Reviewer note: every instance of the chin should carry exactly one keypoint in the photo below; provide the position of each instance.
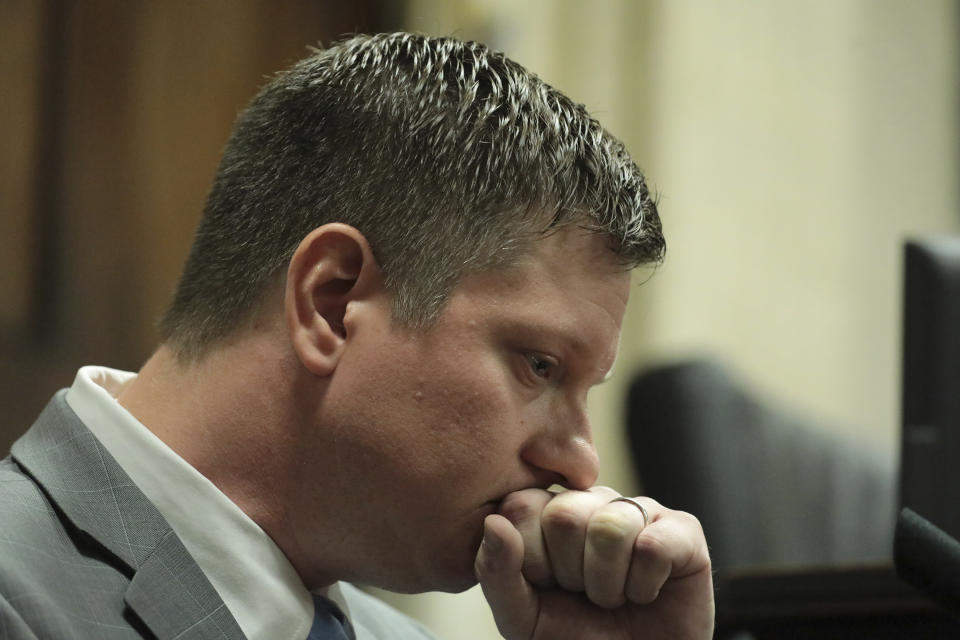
(458, 573)
(458, 586)
(448, 579)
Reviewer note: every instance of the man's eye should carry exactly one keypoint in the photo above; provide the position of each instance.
(541, 367)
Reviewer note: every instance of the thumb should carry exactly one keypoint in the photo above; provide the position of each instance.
(513, 601)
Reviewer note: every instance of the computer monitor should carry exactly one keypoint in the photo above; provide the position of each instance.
(930, 410)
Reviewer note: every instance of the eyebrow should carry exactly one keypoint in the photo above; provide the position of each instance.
(570, 340)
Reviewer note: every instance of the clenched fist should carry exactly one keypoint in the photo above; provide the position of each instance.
(578, 565)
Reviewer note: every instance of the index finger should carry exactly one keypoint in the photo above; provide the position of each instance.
(523, 509)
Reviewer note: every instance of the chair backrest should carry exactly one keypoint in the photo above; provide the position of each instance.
(768, 486)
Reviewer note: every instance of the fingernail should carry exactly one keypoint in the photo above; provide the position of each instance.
(491, 543)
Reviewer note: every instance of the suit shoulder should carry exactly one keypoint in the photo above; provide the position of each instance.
(19, 494)
(30, 524)
(43, 561)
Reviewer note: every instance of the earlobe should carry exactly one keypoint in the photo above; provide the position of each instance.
(332, 266)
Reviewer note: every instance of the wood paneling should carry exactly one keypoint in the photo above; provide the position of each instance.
(113, 118)
(21, 78)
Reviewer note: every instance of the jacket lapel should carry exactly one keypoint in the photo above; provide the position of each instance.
(173, 597)
(168, 591)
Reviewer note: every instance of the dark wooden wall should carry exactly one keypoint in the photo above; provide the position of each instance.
(112, 118)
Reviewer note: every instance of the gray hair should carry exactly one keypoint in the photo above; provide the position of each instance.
(450, 158)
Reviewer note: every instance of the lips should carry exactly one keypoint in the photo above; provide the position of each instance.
(548, 487)
(491, 506)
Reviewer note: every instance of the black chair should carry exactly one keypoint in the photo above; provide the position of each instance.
(769, 487)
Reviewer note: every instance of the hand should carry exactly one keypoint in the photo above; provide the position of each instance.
(574, 565)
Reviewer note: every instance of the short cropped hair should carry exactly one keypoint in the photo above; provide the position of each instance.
(447, 156)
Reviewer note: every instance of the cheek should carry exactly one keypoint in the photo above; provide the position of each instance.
(482, 393)
(467, 421)
(434, 411)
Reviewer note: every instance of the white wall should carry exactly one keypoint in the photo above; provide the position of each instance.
(794, 145)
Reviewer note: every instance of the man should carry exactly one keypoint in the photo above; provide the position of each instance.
(411, 268)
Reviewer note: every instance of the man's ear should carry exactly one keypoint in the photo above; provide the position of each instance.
(332, 266)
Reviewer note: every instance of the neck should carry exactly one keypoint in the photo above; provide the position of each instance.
(230, 416)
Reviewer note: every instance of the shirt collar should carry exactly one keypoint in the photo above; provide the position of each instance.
(253, 577)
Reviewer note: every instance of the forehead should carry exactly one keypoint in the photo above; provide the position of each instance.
(571, 265)
(569, 285)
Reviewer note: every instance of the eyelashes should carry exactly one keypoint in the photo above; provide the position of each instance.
(541, 366)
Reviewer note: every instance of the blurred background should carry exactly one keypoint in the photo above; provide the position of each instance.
(793, 145)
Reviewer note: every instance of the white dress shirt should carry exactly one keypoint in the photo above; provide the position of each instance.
(255, 580)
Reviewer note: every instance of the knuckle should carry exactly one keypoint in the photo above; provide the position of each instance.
(698, 552)
(562, 519)
(604, 491)
(608, 532)
(654, 505)
(691, 520)
(518, 508)
(647, 549)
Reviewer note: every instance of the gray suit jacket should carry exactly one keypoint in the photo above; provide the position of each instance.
(84, 554)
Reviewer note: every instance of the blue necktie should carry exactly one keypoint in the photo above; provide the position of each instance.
(329, 623)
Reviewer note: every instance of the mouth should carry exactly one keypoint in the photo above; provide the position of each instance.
(491, 506)
(496, 503)
(487, 508)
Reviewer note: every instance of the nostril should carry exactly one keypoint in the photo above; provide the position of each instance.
(544, 478)
(556, 480)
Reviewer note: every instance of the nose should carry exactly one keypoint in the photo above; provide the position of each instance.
(565, 456)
